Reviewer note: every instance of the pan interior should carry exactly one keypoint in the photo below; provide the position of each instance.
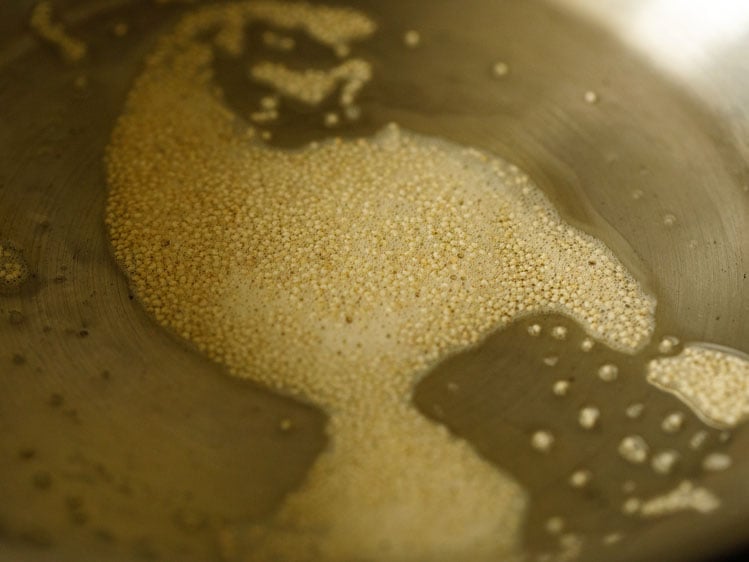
(119, 441)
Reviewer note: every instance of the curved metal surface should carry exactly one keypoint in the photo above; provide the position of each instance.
(118, 442)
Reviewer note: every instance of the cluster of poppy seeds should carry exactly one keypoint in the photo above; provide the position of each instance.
(312, 86)
(13, 268)
(711, 381)
(341, 273)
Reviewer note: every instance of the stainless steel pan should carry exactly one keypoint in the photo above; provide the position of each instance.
(118, 442)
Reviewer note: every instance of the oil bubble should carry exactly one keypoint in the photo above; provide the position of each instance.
(580, 478)
(559, 332)
(591, 97)
(561, 387)
(500, 69)
(698, 439)
(634, 410)
(673, 422)
(542, 441)
(634, 449)
(608, 372)
(664, 462)
(668, 344)
(716, 462)
(588, 417)
(411, 39)
(551, 360)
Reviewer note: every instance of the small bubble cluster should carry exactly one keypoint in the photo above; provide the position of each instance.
(42, 23)
(14, 270)
(312, 86)
(686, 496)
(713, 382)
(268, 110)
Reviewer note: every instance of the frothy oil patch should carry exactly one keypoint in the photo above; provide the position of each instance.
(341, 273)
(42, 23)
(14, 271)
(685, 497)
(313, 86)
(712, 381)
